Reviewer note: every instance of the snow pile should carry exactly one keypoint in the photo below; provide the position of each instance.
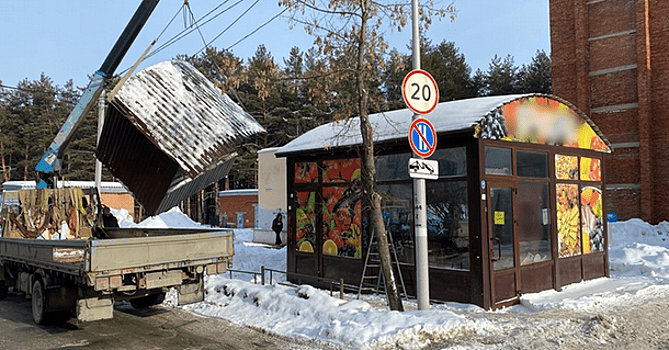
(171, 218)
(639, 263)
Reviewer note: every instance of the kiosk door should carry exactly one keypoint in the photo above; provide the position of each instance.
(501, 245)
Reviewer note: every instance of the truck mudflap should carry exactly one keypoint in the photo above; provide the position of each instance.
(95, 308)
(191, 292)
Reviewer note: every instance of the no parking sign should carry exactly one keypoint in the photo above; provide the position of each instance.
(422, 137)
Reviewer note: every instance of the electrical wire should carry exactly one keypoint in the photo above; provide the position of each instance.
(29, 90)
(257, 29)
(230, 25)
(186, 31)
(218, 68)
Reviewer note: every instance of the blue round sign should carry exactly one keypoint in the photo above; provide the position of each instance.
(422, 137)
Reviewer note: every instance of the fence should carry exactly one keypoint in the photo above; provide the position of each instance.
(264, 271)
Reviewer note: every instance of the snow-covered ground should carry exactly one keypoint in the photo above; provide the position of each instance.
(639, 263)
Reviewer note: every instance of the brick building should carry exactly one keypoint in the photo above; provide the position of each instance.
(238, 207)
(611, 59)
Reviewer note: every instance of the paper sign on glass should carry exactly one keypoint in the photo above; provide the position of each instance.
(499, 218)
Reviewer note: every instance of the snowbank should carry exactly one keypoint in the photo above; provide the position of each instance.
(639, 264)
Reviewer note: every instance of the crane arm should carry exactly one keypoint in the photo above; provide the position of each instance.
(50, 163)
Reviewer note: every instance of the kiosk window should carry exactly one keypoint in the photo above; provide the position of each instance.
(396, 203)
(392, 167)
(498, 161)
(448, 225)
(532, 163)
(534, 223)
(452, 161)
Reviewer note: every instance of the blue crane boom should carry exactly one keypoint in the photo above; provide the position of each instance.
(50, 164)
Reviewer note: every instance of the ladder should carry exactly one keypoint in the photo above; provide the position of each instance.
(373, 260)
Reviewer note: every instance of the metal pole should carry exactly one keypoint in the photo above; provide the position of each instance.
(420, 202)
(101, 121)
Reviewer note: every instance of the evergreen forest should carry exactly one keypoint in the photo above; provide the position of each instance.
(287, 97)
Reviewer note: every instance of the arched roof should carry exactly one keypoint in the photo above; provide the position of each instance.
(448, 117)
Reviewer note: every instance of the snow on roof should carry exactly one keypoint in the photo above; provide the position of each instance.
(447, 117)
(243, 192)
(185, 115)
(105, 186)
(451, 116)
(268, 150)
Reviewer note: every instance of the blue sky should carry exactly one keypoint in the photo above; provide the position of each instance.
(69, 39)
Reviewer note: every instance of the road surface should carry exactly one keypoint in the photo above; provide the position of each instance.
(154, 328)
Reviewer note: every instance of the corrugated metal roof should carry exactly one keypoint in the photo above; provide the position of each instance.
(184, 114)
(170, 133)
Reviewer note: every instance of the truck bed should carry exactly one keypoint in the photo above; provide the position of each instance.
(136, 250)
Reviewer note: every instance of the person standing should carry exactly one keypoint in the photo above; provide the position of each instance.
(277, 227)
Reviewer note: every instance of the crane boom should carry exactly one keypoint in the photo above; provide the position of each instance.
(50, 163)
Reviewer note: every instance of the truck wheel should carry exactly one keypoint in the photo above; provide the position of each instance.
(149, 300)
(39, 303)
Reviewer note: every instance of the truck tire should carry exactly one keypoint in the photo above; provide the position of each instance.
(147, 301)
(39, 303)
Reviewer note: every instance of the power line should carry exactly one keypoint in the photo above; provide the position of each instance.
(30, 90)
(229, 26)
(186, 31)
(257, 29)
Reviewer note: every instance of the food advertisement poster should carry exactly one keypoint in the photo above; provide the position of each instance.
(305, 236)
(566, 167)
(342, 217)
(592, 224)
(568, 224)
(306, 172)
(591, 169)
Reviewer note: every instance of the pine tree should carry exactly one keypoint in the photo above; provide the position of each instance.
(536, 76)
(449, 69)
(500, 78)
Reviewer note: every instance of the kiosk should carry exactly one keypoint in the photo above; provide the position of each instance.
(517, 207)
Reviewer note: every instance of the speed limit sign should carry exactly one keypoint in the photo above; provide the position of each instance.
(420, 91)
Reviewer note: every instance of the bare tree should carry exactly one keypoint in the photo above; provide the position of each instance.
(350, 33)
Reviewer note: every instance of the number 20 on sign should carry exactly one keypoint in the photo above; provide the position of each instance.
(420, 92)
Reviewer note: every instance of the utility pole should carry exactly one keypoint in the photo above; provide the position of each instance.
(420, 202)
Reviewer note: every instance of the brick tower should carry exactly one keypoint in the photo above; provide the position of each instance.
(611, 59)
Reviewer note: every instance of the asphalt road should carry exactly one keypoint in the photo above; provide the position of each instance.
(153, 328)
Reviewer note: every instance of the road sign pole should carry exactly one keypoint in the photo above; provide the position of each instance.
(420, 202)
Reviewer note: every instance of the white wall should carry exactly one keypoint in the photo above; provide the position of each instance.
(272, 195)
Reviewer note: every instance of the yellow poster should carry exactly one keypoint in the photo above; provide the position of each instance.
(499, 218)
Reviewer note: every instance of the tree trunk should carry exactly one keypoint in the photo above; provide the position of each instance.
(5, 174)
(371, 199)
(25, 167)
